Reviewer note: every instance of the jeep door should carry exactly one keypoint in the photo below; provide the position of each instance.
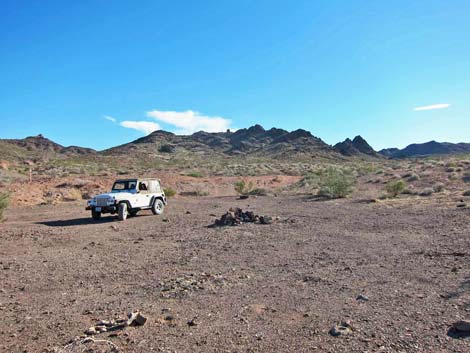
(143, 196)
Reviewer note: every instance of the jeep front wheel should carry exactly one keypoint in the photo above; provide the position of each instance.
(95, 215)
(122, 212)
(157, 207)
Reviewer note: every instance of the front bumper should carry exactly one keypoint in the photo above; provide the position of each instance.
(102, 209)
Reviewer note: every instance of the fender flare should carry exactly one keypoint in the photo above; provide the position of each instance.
(129, 206)
(157, 198)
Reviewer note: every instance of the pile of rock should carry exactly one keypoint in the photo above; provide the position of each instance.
(236, 216)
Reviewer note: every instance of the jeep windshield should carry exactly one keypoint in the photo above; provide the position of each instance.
(124, 185)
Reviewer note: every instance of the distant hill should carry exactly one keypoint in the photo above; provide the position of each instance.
(427, 149)
(356, 147)
(253, 141)
(43, 144)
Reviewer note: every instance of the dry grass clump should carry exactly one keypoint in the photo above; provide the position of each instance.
(426, 192)
(413, 177)
(242, 187)
(74, 194)
(169, 192)
(4, 199)
(466, 193)
(395, 187)
(438, 187)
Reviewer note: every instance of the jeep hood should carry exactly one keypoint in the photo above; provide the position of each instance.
(117, 195)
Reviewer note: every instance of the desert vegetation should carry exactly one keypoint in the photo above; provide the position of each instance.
(4, 198)
(395, 187)
(335, 182)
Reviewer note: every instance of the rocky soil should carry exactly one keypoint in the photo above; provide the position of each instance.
(327, 276)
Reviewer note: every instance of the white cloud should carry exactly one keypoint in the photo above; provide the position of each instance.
(190, 121)
(143, 126)
(110, 118)
(432, 107)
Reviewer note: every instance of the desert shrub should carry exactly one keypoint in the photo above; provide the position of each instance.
(450, 169)
(197, 192)
(243, 188)
(4, 199)
(426, 192)
(310, 180)
(74, 194)
(395, 187)
(408, 191)
(335, 183)
(466, 193)
(438, 187)
(258, 192)
(195, 175)
(413, 177)
(169, 192)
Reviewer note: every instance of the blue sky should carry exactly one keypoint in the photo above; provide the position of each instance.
(101, 73)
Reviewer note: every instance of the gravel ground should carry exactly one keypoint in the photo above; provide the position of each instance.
(279, 287)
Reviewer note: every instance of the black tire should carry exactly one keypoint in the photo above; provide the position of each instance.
(122, 212)
(158, 207)
(95, 215)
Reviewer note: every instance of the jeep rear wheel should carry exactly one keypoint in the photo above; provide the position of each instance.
(157, 207)
(122, 212)
(95, 215)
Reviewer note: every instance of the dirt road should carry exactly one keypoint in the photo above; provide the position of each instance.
(251, 288)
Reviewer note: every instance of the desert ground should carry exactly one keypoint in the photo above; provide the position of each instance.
(396, 272)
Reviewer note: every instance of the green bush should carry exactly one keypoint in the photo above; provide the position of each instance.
(335, 183)
(169, 192)
(395, 187)
(4, 199)
(243, 188)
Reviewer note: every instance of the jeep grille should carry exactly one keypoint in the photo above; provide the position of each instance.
(102, 201)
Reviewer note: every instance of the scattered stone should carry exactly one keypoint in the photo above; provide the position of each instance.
(100, 328)
(166, 220)
(343, 329)
(461, 205)
(462, 325)
(91, 331)
(362, 297)
(188, 212)
(265, 220)
(136, 319)
(192, 322)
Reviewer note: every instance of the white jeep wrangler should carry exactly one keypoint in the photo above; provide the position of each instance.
(129, 196)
